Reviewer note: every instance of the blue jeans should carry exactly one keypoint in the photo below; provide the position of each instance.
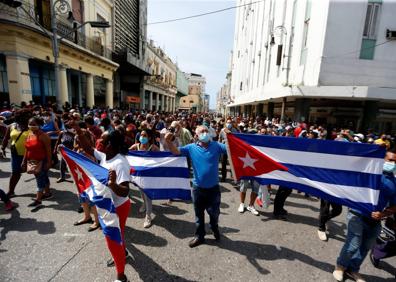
(209, 200)
(360, 239)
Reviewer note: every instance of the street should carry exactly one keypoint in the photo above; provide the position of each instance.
(43, 244)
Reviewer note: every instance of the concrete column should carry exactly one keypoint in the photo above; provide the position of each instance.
(64, 93)
(143, 100)
(167, 103)
(90, 91)
(163, 103)
(157, 102)
(109, 93)
(284, 100)
(18, 75)
(150, 100)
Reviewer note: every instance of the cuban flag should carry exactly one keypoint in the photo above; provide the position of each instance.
(91, 180)
(340, 172)
(160, 175)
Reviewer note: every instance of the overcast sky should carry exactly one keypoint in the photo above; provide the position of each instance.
(199, 45)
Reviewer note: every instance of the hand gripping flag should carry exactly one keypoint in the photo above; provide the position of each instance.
(344, 173)
(91, 180)
(160, 175)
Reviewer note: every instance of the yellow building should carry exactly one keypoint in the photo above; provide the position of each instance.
(27, 61)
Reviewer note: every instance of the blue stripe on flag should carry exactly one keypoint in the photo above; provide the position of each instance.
(314, 145)
(159, 171)
(104, 203)
(365, 208)
(334, 176)
(169, 193)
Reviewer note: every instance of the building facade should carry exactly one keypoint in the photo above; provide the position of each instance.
(182, 87)
(323, 61)
(130, 36)
(196, 91)
(224, 95)
(85, 56)
(160, 87)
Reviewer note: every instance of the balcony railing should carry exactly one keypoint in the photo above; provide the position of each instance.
(29, 15)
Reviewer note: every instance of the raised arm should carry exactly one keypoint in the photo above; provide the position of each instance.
(168, 139)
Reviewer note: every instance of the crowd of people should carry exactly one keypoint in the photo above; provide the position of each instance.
(35, 133)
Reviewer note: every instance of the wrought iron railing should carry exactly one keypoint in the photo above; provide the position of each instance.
(29, 15)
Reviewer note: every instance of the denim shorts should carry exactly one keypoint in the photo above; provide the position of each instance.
(16, 162)
(245, 184)
(42, 178)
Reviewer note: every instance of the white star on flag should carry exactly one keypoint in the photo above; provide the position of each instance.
(248, 161)
(79, 174)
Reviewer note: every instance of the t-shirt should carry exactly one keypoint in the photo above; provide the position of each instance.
(387, 196)
(205, 162)
(121, 166)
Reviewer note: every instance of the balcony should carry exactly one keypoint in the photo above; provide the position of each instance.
(32, 17)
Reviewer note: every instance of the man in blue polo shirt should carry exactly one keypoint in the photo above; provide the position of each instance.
(204, 155)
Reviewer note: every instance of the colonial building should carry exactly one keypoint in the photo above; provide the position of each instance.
(224, 95)
(160, 87)
(322, 61)
(196, 91)
(85, 56)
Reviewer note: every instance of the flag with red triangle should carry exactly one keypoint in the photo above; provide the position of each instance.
(247, 161)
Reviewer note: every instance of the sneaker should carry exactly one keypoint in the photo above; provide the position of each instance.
(252, 210)
(338, 273)
(355, 276)
(47, 196)
(60, 180)
(9, 206)
(142, 209)
(322, 235)
(110, 262)
(259, 202)
(35, 203)
(241, 208)
(147, 222)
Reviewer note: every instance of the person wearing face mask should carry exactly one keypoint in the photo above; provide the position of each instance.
(204, 155)
(65, 138)
(51, 128)
(183, 135)
(224, 160)
(38, 150)
(362, 230)
(383, 141)
(145, 144)
(211, 130)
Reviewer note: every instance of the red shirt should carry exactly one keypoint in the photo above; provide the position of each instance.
(35, 148)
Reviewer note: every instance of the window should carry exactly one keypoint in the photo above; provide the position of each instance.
(241, 86)
(370, 30)
(3, 75)
(371, 22)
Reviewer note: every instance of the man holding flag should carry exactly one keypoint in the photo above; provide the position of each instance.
(204, 155)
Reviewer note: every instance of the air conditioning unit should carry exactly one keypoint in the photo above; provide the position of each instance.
(391, 34)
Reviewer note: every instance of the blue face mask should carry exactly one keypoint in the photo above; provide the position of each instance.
(389, 167)
(229, 125)
(143, 140)
(204, 137)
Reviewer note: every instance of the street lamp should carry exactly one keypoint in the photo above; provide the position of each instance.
(57, 7)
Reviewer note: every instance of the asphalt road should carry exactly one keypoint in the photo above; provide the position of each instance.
(43, 245)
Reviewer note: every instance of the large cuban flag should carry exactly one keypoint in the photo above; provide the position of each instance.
(160, 175)
(340, 172)
(91, 180)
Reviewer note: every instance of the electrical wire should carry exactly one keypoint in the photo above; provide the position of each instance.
(205, 14)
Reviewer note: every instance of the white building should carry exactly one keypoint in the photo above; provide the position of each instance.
(324, 61)
(196, 93)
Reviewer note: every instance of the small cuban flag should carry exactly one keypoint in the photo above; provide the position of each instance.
(91, 180)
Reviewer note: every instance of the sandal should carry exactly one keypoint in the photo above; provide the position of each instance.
(93, 227)
(82, 222)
